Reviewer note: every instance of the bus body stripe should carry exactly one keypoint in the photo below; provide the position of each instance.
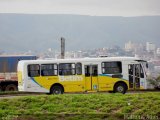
(35, 81)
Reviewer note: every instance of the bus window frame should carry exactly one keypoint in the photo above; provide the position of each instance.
(67, 69)
(80, 68)
(33, 70)
(52, 69)
(111, 67)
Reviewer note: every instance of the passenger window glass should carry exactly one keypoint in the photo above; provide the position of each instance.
(137, 70)
(33, 70)
(142, 73)
(94, 70)
(79, 68)
(73, 72)
(49, 69)
(87, 71)
(130, 69)
(111, 67)
(67, 69)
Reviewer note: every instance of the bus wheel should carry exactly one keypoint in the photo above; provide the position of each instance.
(11, 87)
(120, 88)
(56, 90)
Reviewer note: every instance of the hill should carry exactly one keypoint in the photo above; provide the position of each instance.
(21, 32)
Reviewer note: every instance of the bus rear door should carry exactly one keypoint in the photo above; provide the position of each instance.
(91, 77)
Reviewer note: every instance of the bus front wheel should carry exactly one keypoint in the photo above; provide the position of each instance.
(120, 88)
(56, 90)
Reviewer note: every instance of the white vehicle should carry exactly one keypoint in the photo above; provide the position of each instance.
(117, 74)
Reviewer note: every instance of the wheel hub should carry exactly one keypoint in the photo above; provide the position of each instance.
(120, 89)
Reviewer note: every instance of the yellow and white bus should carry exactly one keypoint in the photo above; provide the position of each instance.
(57, 76)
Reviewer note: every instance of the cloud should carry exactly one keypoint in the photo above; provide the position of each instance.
(82, 7)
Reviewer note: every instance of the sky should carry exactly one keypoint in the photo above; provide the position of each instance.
(83, 7)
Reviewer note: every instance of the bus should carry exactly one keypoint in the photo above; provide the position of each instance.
(57, 76)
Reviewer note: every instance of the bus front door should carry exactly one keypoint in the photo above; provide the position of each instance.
(134, 76)
(91, 77)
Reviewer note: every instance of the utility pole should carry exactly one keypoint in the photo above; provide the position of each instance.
(62, 48)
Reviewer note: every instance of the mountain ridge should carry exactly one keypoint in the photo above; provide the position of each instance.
(22, 32)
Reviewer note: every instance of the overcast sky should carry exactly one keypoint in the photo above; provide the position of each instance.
(83, 7)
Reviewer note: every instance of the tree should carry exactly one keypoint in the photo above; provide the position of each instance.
(155, 82)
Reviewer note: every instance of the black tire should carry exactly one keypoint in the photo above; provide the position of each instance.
(120, 88)
(56, 90)
(11, 87)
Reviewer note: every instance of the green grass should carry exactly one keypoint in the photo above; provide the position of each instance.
(8, 92)
(81, 106)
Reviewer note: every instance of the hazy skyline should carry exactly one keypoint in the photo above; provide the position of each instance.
(83, 7)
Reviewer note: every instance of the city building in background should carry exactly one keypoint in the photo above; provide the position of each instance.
(129, 46)
(146, 51)
(150, 47)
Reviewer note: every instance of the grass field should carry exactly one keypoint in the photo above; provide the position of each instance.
(82, 106)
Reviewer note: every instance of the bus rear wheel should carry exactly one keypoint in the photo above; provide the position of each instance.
(56, 90)
(11, 87)
(120, 88)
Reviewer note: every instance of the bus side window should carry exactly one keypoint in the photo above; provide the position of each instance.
(49, 69)
(94, 70)
(33, 70)
(67, 69)
(87, 71)
(78, 68)
(113, 67)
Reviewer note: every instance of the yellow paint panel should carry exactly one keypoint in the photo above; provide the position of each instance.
(74, 88)
(19, 77)
(87, 83)
(95, 83)
(106, 83)
(91, 83)
(79, 83)
(70, 85)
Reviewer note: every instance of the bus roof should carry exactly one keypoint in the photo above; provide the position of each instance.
(82, 60)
